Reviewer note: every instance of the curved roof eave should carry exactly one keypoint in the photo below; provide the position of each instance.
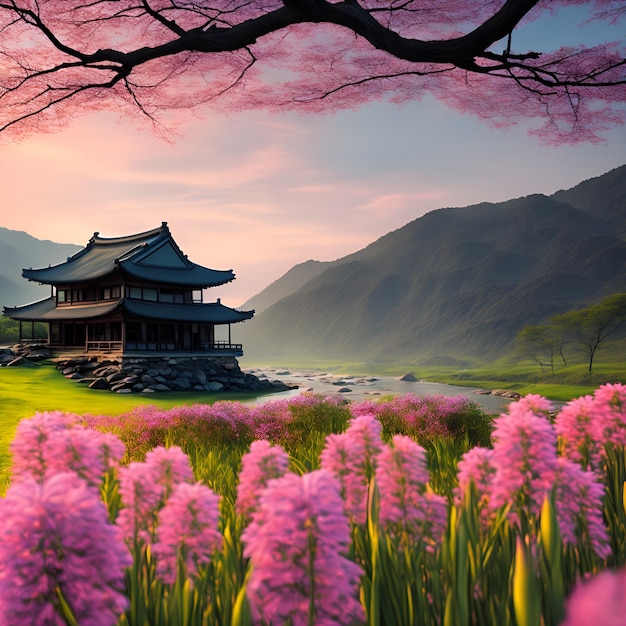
(194, 276)
(47, 311)
(211, 313)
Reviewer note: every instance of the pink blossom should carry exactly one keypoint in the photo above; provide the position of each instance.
(351, 457)
(575, 426)
(418, 416)
(405, 500)
(296, 544)
(55, 442)
(600, 601)
(609, 414)
(145, 487)
(188, 525)
(525, 461)
(56, 533)
(30, 445)
(262, 463)
(476, 467)
(533, 403)
(579, 508)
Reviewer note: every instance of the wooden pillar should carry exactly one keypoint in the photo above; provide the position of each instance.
(123, 334)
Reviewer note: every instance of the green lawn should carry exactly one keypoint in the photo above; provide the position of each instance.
(26, 390)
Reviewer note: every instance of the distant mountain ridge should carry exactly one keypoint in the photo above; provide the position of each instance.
(19, 250)
(455, 282)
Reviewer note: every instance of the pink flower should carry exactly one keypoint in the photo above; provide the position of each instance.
(525, 461)
(351, 457)
(145, 487)
(575, 426)
(30, 445)
(533, 403)
(405, 501)
(579, 508)
(476, 467)
(609, 414)
(188, 525)
(262, 463)
(600, 601)
(55, 442)
(56, 533)
(296, 542)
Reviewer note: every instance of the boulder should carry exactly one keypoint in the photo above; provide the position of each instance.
(409, 378)
(99, 383)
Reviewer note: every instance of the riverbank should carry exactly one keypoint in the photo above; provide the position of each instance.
(562, 384)
(357, 388)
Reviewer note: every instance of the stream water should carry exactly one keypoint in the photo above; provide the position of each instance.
(364, 387)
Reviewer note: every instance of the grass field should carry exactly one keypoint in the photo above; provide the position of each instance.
(26, 390)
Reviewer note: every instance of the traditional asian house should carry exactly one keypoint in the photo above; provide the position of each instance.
(134, 295)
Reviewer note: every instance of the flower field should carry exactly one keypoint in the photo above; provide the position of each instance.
(315, 511)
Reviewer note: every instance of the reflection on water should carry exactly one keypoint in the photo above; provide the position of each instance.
(370, 387)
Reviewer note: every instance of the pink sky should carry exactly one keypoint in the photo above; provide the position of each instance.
(260, 193)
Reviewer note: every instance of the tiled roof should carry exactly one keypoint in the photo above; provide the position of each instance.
(152, 255)
(210, 313)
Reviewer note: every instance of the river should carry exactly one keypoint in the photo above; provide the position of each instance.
(370, 387)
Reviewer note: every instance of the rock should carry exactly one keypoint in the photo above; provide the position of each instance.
(112, 378)
(180, 384)
(161, 387)
(505, 393)
(99, 383)
(22, 361)
(214, 386)
(344, 390)
(123, 390)
(409, 378)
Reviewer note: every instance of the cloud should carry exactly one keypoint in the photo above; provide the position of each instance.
(260, 193)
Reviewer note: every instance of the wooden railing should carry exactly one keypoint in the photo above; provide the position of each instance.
(105, 346)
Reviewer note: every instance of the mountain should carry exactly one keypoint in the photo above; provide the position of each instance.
(19, 250)
(456, 282)
(297, 276)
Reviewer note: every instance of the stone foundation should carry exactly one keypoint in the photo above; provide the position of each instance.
(150, 375)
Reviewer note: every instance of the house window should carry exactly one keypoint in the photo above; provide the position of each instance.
(133, 331)
(62, 295)
(166, 295)
(133, 292)
(149, 293)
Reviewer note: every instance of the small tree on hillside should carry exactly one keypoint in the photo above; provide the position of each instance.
(592, 326)
(536, 343)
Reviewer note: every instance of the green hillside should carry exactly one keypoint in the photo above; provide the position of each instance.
(457, 282)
